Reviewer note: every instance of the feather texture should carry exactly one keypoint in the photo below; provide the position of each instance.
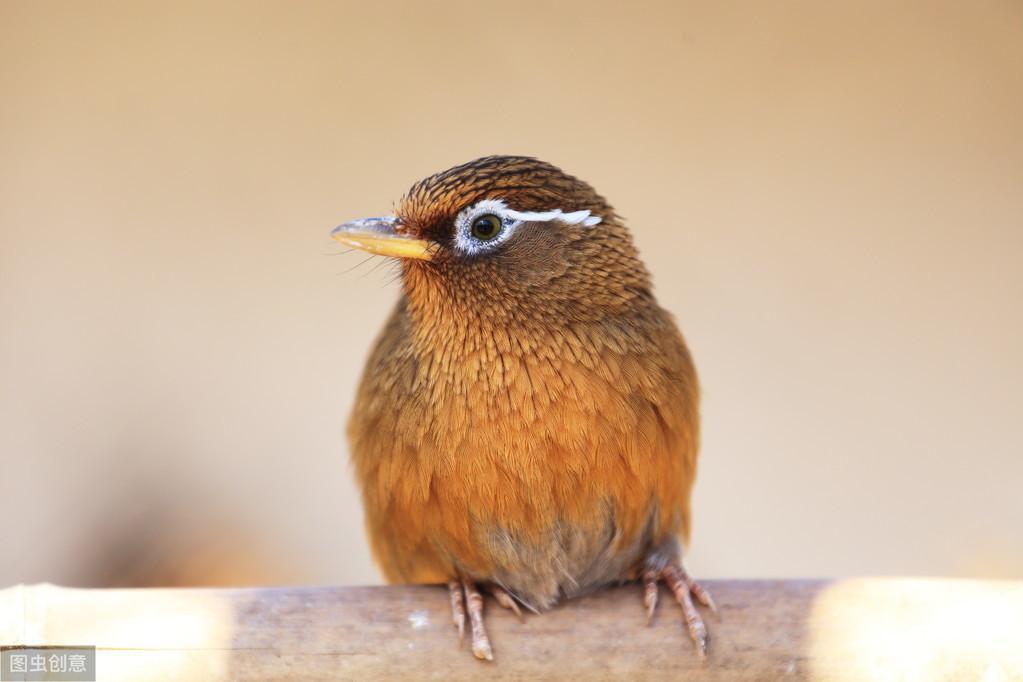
(527, 419)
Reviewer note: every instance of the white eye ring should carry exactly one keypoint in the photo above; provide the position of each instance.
(510, 221)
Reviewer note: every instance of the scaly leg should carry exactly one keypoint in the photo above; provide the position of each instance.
(481, 648)
(684, 588)
(467, 602)
(457, 607)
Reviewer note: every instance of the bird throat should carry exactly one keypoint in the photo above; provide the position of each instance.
(515, 348)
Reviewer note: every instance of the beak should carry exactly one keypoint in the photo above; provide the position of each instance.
(378, 235)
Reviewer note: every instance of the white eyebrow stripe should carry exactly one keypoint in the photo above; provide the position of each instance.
(511, 221)
(574, 218)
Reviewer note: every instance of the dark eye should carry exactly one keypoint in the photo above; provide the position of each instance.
(486, 227)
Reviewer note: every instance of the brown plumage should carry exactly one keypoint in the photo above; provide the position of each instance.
(528, 418)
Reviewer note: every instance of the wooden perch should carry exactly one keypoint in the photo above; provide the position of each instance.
(860, 629)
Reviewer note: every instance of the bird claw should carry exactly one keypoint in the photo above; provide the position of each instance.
(507, 601)
(685, 589)
(650, 592)
(467, 600)
(702, 596)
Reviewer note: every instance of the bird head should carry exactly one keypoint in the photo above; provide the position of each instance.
(509, 237)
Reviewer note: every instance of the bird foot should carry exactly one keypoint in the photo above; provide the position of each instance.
(465, 598)
(685, 588)
(507, 601)
(466, 601)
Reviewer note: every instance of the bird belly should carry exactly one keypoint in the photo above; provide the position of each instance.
(536, 550)
(546, 510)
(547, 475)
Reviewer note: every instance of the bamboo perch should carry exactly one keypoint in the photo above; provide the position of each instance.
(859, 629)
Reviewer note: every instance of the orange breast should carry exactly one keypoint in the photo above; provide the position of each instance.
(548, 464)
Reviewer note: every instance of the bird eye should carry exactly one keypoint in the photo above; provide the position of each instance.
(486, 227)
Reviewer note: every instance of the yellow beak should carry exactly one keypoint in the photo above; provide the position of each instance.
(377, 235)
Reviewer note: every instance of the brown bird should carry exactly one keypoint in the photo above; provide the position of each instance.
(527, 421)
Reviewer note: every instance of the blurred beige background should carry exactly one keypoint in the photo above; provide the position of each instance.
(830, 199)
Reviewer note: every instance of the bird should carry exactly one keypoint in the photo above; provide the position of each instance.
(527, 422)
